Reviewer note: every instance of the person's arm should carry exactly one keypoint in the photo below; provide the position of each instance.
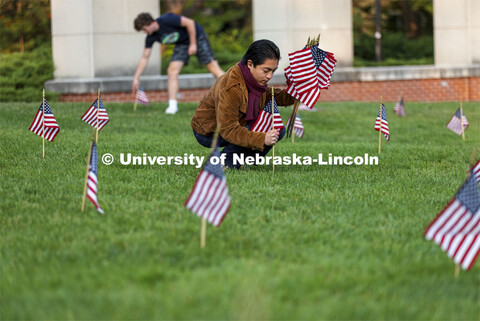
(142, 64)
(189, 24)
(282, 97)
(228, 114)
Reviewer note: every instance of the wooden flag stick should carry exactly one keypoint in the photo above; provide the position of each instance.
(457, 270)
(380, 129)
(86, 174)
(98, 112)
(461, 120)
(136, 100)
(296, 104)
(273, 127)
(203, 232)
(43, 124)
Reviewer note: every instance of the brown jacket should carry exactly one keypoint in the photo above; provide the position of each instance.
(226, 103)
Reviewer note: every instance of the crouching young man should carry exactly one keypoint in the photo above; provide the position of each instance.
(234, 102)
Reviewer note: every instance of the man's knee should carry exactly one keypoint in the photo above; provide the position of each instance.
(173, 70)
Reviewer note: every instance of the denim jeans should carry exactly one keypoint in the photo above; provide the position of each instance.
(231, 149)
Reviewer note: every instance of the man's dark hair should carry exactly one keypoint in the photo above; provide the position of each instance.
(261, 50)
(142, 20)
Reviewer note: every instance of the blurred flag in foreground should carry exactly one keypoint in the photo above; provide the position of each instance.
(455, 123)
(90, 117)
(382, 123)
(264, 120)
(456, 229)
(209, 198)
(92, 179)
(142, 98)
(45, 119)
(476, 171)
(399, 108)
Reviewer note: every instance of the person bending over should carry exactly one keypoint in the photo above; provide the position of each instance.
(234, 102)
(189, 39)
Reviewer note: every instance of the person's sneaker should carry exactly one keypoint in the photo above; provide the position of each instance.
(171, 110)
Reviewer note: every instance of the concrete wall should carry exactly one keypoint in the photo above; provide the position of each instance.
(96, 38)
(456, 32)
(289, 23)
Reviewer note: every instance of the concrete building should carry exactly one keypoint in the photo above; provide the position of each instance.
(97, 47)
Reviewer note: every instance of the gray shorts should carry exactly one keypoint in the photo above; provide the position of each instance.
(204, 51)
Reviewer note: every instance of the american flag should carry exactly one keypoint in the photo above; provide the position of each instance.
(310, 70)
(325, 63)
(303, 70)
(51, 126)
(90, 117)
(382, 123)
(455, 123)
(92, 178)
(264, 120)
(142, 98)
(476, 171)
(209, 198)
(297, 126)
(456, 229)
(399, 108)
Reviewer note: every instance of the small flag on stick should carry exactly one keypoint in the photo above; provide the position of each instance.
(399, 108)
(457, 124)
(209, 198)
(142, 98)
(457, 228)
(91, 179)
(297, 127)
(46, 120)
(264, 120)
(95, 117)
(381, 124)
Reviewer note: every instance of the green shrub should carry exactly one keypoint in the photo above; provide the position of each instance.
(397, 49)
(22, 75)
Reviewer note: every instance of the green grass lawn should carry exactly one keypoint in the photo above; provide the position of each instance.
(306, 243)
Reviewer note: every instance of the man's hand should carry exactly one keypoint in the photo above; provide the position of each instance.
(134, 85)
(271, 137)
(192, 49)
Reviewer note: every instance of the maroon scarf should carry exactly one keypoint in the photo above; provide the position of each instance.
(255, 91)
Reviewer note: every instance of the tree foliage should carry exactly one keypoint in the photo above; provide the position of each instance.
(406, 27)
(25, 24)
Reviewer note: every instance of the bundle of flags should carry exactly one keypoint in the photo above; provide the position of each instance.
(297, 126)
(309, 71)
(92, 179)
(209, 198)
(264, 120)
(142, 97)
(95, 115)
(457, 228)
(455, 123)
(381, 124)
(399, 108)
(45, 119)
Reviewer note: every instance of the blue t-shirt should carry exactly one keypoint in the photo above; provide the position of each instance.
(170, 31)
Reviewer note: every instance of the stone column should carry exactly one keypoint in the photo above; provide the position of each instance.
(456, 32)
(289, 23)
(96, 38)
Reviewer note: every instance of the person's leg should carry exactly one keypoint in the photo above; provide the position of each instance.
(205, 56)
(231, 150)
(206, 141)
(214, 68)
(173, 71)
